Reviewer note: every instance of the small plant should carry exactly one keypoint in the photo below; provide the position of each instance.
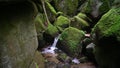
(36, 65)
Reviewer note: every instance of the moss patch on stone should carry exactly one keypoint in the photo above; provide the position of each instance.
(51, 8)
(109, 24)
(79, 21)
(71, 41)
(62, 22)
(51, 30)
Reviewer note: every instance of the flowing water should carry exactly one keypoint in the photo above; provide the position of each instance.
(51, 48)
(53, 62)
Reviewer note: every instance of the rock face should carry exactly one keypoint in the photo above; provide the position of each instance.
(18, 40)
(70, 41)
(96, 7)
(38, 61)
(68, 7)
(107, 39)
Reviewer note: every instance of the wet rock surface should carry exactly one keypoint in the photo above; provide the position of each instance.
(56, 61)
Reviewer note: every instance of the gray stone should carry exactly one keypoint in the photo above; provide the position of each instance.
(18, 40)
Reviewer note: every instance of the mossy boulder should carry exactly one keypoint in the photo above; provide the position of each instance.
(80, 21)
(70, 41)
(50, 33)
(52, 30)
(106, 35)
(68, 7)
(109, 24)
(62, 22)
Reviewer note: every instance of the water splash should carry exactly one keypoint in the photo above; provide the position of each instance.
(91, 45)
(75, 60)
(55, 41)
(50, 49)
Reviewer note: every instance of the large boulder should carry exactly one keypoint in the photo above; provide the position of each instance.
(106, 36)
(70, 41)
(18, 38)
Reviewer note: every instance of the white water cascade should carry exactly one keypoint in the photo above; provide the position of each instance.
(50, 49)
(75, 60)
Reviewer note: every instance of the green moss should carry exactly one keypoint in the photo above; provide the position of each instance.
(71, 38)
(51, 8)
(80, 21)
(39, 23)
(51, 30)
(62, 22)
(109, 24)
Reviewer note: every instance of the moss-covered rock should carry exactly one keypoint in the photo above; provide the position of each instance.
(52, 30)
(62, 22)
(80, 21)
(50, 33)
(70, 41)
(106, 35)
(68, 7)
(109, 24)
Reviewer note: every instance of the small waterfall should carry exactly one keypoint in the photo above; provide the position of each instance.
(55, 41)
(50, 49)
(75, 60)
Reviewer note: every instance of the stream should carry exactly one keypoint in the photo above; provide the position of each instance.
(52, 53)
